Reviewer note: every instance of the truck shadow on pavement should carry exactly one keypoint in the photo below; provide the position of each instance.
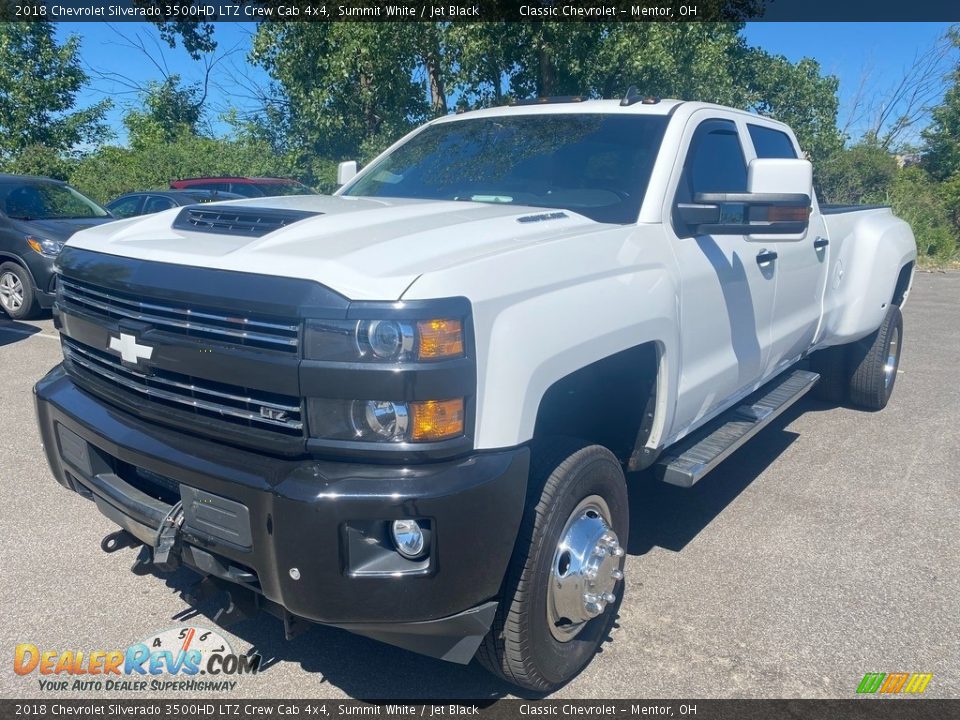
(364, 669)
(12, 331)
(667, 516)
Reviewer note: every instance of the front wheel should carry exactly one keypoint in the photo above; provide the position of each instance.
(566, 576)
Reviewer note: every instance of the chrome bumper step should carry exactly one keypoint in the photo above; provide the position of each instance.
(695, 456)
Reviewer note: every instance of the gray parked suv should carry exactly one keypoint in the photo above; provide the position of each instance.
(37, 215)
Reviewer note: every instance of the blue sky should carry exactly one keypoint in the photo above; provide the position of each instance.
(879, 52)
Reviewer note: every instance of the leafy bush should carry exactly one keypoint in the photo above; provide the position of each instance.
(860, 174)
(921, 201)
(868, 174)
(112, 171)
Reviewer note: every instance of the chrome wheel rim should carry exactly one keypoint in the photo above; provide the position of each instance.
(893, 358)
(11, 291)
(587, 565)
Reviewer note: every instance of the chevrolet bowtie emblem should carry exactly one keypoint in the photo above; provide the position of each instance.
(130, 351)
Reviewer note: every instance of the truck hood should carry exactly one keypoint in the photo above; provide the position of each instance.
(363, 248)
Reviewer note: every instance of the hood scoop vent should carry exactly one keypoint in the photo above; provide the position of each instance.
(243, 221)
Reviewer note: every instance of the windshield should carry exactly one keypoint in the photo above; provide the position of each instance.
(42, 200)
(595, 165)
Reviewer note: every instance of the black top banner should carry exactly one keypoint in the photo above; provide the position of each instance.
(203, 11)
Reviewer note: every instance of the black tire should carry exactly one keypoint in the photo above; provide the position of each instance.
(874, 362)
(24, 292)
(520, 647)
(834, 370)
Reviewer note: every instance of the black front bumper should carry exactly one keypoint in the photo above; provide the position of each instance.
(306, 534)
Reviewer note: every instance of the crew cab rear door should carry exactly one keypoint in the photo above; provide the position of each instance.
(800, 265)
(726, 293)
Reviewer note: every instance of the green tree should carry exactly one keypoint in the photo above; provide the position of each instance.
(153, 163)
(942, 151)
(170, 110)
(39, 81)
(346, 88)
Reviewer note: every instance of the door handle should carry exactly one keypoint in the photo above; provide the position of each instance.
(820, 242)
(765, 256)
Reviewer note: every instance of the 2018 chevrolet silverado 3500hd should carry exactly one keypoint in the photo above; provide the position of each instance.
(406, 409)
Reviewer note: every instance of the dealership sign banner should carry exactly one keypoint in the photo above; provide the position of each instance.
(205, 11)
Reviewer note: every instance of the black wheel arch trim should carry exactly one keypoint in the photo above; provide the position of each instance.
(17, 260)
(614, 381)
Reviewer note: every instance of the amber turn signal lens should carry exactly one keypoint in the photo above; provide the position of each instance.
(788, 214)
(440, 339)
(433, 420)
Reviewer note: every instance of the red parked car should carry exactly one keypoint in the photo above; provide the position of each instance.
(246, 186)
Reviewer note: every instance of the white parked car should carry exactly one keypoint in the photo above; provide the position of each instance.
(407, 409)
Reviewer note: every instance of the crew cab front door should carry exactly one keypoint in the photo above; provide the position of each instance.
(727, 289)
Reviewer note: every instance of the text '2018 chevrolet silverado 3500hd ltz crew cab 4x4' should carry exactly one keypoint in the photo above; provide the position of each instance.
(407, 409)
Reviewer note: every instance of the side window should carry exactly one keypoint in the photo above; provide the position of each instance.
(771, 143)
(223, 186)
(125, 207)
(715, 161)
(156, 203)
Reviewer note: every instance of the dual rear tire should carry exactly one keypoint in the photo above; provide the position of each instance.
(862, 373)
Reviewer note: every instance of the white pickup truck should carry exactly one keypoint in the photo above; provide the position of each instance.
(407, 409)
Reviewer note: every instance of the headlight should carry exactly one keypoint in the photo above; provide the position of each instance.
(386, 339)
(383, 340)
(49, 248)
(385, 421)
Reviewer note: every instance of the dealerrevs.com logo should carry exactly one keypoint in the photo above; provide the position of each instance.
(190, 659)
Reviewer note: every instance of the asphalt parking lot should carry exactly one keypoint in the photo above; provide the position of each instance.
(826, 548)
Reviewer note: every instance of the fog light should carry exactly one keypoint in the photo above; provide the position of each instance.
(386, 419)
(408, 537)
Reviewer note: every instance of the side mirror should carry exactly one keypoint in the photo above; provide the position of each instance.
(775, 206)
(346, 171)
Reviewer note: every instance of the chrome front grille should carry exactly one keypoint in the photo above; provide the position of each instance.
(202, 324)
(205, 398)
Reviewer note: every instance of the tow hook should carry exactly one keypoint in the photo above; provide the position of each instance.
(164, 556)
(117, 541)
